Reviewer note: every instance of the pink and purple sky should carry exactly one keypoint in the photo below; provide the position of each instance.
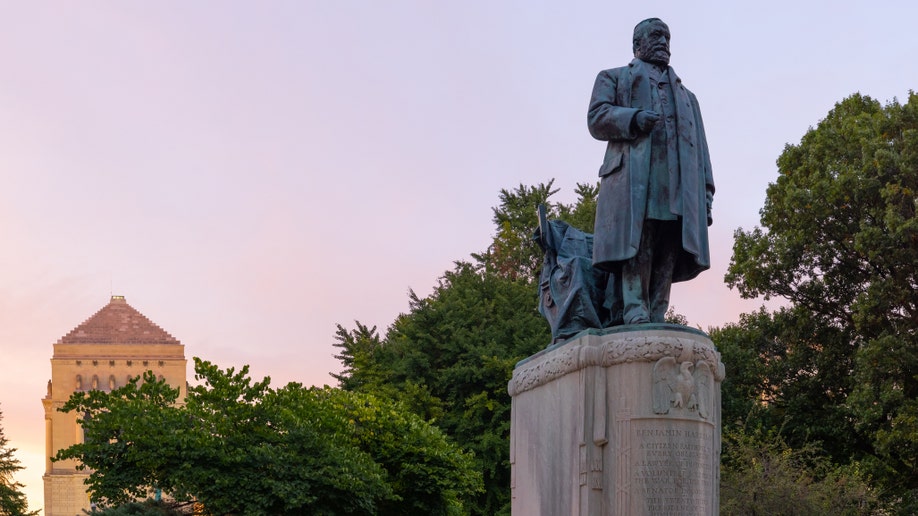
(248, 174)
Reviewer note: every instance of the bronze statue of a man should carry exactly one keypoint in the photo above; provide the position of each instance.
(654, 204)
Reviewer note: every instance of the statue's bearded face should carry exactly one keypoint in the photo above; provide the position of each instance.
(653, 45)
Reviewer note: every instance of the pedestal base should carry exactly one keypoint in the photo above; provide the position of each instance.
(622, 422)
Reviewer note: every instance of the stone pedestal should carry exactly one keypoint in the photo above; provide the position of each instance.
(622, 422)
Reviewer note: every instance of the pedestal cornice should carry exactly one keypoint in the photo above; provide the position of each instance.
(622, 344)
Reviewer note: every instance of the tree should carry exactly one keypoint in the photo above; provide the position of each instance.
(762, 475)
(839, 242)
(787, 369)
(12, 501)
(241, 447)
(789, 446)
(426, 473)
(145, 508)
(450, 357)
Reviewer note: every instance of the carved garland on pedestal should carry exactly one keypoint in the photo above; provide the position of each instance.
(583, 353)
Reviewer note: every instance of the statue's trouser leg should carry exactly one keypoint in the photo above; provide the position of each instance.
(636, 278)
(614, 302)
(648, 276)
(668, 243)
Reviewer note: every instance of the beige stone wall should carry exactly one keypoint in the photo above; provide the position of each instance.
(65, 495)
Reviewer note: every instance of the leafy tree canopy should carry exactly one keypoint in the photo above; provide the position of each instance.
(241, 447)
(786, 369)
(763, 475)
(839, 242)
(145, 508)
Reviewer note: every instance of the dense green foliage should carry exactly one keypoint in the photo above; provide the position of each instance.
(450, 357)
(838, 242)
(145, 508)
(241, 447)
(763, 476)
(12, 501)
(786, 369)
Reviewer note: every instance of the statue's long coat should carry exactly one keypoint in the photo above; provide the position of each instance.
(618, 95)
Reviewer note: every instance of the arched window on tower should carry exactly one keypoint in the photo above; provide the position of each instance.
(81, 432)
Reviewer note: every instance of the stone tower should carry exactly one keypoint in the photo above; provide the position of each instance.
(114, 345)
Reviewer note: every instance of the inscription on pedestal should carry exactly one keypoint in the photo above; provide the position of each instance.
(672, 467)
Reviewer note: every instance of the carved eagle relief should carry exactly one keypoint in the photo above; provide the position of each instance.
(684, 386)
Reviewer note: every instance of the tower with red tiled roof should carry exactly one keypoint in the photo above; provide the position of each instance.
(114, 345)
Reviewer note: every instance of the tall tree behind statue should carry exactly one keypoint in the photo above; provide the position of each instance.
(450, 357)
(839, 241)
